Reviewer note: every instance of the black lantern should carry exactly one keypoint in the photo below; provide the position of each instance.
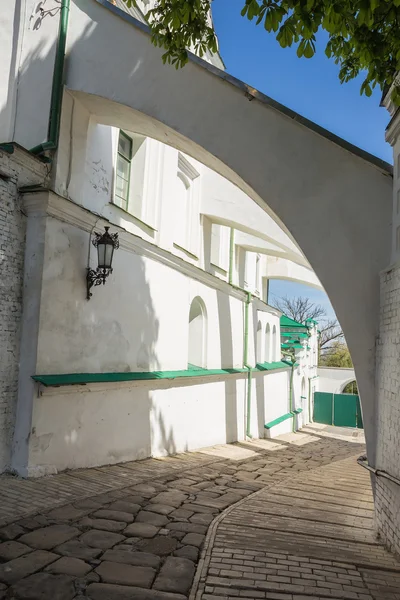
(105, 243)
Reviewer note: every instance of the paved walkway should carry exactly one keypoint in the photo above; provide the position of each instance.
(285, 511)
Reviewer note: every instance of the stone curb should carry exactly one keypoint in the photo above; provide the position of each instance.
(205, 557)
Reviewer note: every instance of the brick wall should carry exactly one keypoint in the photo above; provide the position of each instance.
(16, 169)
(387, 494)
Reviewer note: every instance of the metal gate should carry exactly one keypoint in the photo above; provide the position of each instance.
(342, 410)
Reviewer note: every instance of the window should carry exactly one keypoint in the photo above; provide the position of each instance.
(197, 334)
(219, 254)
(123, 170)
(186, 193)
(260, 357)
(267, 344)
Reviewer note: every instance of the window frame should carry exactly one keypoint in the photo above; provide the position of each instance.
(129, 160)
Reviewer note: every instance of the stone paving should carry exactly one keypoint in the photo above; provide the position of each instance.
(135, 531)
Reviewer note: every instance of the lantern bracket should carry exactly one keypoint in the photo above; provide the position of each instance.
(95, 277)
(98, 276)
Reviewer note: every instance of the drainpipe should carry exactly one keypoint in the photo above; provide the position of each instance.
(57, 88)
(245, 362)
(231, 254)
(291, 398)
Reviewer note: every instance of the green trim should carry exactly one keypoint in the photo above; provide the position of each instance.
(290, 323)
(7, 147)
(186, 251)
(288, 415)
(219, 270)
(53, 134)
(86, 378)
(291, 345)
(296, 335)
(271, 366)
(271, 424)
(128, 159)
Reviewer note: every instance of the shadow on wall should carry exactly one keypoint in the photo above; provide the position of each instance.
(260, 381)
(226, 343)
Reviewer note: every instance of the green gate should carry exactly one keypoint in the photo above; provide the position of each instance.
(342, 410)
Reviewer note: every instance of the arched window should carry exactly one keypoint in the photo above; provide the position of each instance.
(303, 388)
(267, 343)
(260, 352)
(350, 388)
(274, 353)
(197, 333)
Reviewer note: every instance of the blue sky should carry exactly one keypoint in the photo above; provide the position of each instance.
(309, 86)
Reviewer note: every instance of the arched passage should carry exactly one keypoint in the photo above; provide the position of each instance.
(306, 178)
(197, 344)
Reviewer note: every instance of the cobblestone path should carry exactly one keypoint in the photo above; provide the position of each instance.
(309, 537)
(140, 539)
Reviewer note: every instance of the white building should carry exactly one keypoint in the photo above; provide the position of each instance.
(179, 349)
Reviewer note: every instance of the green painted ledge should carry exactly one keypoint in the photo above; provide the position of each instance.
(191, 371)
(84, 378)
(271, 366)
(288, 415)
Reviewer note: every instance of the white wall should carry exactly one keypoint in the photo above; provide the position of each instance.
(152, 418)
(80, 427)
(334, 379)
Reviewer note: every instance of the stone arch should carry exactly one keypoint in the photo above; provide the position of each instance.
(306, 178)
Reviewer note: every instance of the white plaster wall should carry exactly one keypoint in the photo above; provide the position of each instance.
(138, 321)
(334, 379)
(154, 418)
(277, 402)
(138, 420)
(10, 24)
(31, 60)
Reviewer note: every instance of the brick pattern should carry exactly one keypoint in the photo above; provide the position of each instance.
(140, 533)
(15, 170)
(388, 422)
(275, 546)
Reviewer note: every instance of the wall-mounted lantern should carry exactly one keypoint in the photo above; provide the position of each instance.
(105, 243)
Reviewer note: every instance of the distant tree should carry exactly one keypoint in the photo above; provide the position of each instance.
(351, 388)
(337, 355)
(300, 309)
(363, 35)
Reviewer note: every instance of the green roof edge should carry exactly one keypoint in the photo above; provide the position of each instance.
(87, 378)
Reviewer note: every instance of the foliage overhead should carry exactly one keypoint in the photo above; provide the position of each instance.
(363, 35)
(300, 309)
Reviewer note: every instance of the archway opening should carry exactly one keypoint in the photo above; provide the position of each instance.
(350, 388)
